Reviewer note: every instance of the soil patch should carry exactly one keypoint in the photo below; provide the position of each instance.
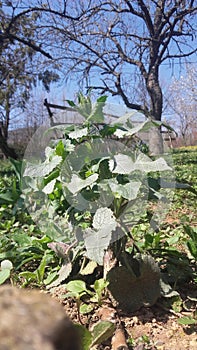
(147, 329)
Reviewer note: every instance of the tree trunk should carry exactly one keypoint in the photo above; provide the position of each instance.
(156, 97)
(8, 151)
(155, 141)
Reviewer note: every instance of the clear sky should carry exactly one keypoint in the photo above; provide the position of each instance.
(59, 93)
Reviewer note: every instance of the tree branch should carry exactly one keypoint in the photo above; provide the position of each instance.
(180, 55)
(147, 17)
(129, 104)
(132, 10)
(30, 44)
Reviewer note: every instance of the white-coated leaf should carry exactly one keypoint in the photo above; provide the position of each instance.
(78, 133)
(77, 184)
(48, 152)
(43, 169)
(128, 191)
(130, 131)
(69, 147)
(120, 133)
(49, 187)
(97, 240)
(104, 218)
(124, 119)
(146, 164)
(121, 164)
(166, 290)
(136, 282)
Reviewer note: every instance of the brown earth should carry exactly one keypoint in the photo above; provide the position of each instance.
(147, 329)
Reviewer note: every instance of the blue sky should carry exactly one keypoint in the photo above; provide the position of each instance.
(68, 91)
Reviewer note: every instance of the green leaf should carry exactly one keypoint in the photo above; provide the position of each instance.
(50, 278)
(28, 276)
(85, 336)
(17, 165)
(72, 295)
(96, 115)
(89, 268)
(59, 149)
(102, 331)
(8, 254)
(6, 198)
(71, 103)
(4, 275)
(191, 231)
(176, 303)
(192, 248)
(101, 99)
(154, 183)
(187, 320)
(100, 285)
(85, 308)
(84, 105)
(76, 286)
(41, 269)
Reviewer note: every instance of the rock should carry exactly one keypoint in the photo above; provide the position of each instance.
(31, 320)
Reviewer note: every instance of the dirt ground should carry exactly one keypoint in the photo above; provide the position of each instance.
(147, 329)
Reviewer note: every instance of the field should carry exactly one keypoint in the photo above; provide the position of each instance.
(33, 261)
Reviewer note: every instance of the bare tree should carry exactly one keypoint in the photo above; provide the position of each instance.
(20, 67)
(115, 44)
(182, 103)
